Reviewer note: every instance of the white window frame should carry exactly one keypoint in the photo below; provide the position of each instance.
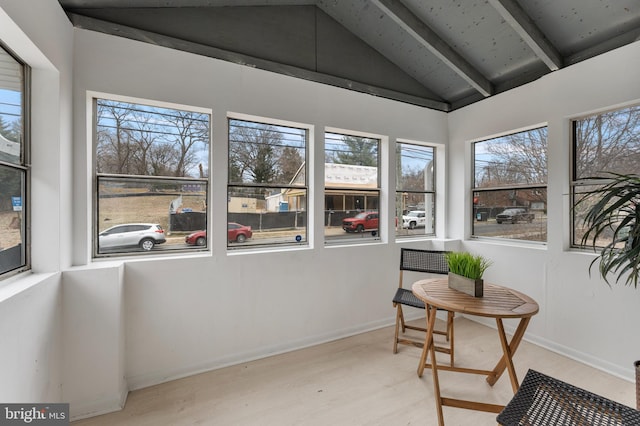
(92, 97)
(433, 192)
(382, 190)
(576, 183)
(24, 168)
(293, 243)
(533, 186)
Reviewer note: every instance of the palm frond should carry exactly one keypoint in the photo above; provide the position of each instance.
(615, 207)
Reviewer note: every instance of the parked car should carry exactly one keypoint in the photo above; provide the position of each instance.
(235, 233)
(515, 215)
(238, 233)
(414, 219)
(361, 222)
(143, 235)
(198, 238)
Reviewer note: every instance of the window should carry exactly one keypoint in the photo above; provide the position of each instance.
(415, 189)
(152, 177)
(352, 187)
(510, 186)
(267, 193)
(603, 143)
(14, 170)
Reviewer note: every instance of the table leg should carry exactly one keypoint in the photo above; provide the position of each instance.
(508, 356)
(428, 341)
(508, 349)
(431, 349)
(436, 382)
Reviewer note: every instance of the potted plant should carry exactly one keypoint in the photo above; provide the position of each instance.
(465, 272)
(614, 207)
(613, 211)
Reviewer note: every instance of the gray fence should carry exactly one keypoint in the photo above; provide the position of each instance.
(194, 221)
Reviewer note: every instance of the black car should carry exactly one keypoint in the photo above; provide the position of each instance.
(515, 215)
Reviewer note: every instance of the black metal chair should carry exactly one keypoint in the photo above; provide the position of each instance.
(546, 401)
(426, 261)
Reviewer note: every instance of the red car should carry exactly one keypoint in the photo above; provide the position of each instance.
(238, 233)
(235, 233)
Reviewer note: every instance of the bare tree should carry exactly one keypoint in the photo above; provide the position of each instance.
(161, 159)
(142, 140)
(144, 137)
(608, 142)
(254, 153)
(190, 130)
(10, 129)
(413, 179)
(520, 158)
(113, 148)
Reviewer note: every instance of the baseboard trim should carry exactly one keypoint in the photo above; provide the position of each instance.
(624, 373)
(83, 410)
(151, 379)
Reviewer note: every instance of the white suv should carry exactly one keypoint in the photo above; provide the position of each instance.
(143, 235)
(414, 219)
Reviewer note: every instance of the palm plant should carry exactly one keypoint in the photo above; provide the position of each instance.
(616, 207)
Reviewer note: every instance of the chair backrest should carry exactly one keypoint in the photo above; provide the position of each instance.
(542, 400)
(430, 261)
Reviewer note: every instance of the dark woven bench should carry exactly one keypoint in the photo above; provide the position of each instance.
(545, 401)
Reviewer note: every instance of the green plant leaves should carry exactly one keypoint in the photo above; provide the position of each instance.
(616, 207)
(466, 264)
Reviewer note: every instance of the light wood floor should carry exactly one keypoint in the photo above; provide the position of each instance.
(352, 381)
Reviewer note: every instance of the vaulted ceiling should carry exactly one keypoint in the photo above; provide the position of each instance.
(440, 54)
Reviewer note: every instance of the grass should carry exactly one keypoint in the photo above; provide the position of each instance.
(467, 265)
(147, 209)
(9, 233)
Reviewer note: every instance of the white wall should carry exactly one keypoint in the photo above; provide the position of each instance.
(44, 40)
(579, 315)
(94, 339)
(197, 312)
(31, 334)
(31, 340)
(155, 319)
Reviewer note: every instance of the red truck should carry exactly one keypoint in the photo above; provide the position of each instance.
(361, 222)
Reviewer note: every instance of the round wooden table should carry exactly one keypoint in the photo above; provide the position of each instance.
(498, 302)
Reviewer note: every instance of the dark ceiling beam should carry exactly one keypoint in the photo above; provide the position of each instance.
(111, 28)
(138, 4)
(515, 16)
(424, 35)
